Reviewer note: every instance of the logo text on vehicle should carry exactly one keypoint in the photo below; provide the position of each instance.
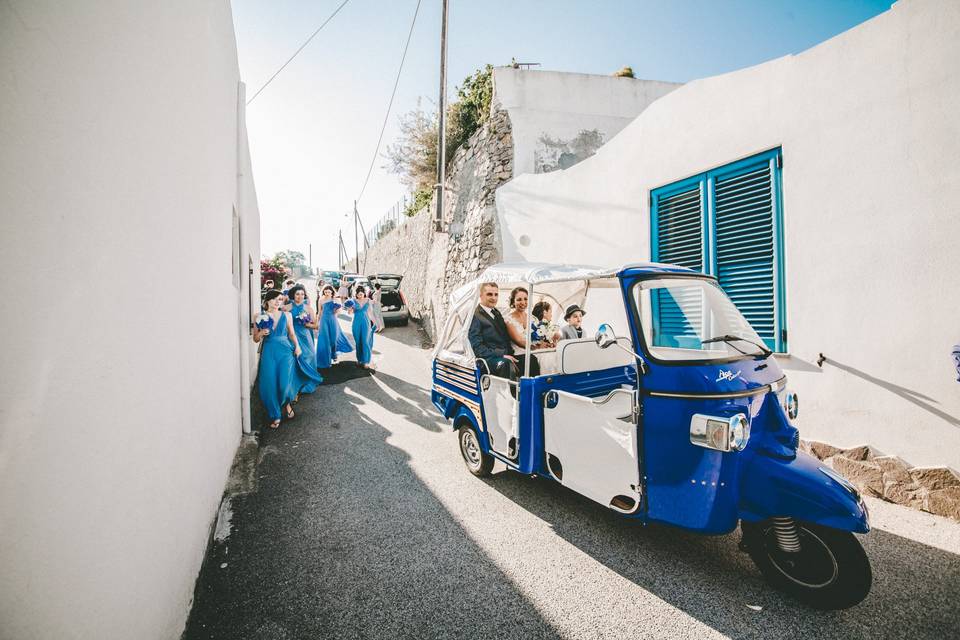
(728, 375)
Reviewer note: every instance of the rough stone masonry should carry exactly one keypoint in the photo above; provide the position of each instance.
(434, 263)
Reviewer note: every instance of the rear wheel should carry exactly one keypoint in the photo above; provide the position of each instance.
(826, 568)
(478, 463)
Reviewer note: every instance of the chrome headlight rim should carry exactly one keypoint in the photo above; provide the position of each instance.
(720, 433)
(739, 432)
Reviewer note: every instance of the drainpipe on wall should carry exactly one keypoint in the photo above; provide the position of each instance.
(244, 374)
(243, 309)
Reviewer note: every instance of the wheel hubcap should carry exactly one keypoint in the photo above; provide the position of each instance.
(814, 566)
(471, 449)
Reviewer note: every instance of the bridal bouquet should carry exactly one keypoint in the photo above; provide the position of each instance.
(264, 322)
(349, 304)
(540, 331)
(304, 317)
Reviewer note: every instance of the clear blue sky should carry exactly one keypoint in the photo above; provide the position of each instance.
(314, 129)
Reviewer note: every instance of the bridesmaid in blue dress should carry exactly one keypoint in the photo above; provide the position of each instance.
(277, 379)
(330, 339)
(362, 327)
(304, 323)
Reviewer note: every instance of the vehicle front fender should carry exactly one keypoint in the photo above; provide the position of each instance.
(799, 489)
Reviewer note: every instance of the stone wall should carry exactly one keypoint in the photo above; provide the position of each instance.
(434, 263)
(405, 250)
(478, 168)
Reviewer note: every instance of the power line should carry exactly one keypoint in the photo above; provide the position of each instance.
(386, 117)
(298, 51)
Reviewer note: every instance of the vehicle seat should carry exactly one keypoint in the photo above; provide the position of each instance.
(583, 354)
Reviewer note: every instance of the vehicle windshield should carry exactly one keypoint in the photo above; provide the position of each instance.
(693, 319)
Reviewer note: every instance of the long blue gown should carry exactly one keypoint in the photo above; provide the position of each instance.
(308, 376)
(330, 339)
(363, 333)
(277, 378)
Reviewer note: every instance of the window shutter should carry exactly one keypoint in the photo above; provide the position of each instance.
(744, 219)
(678, 220)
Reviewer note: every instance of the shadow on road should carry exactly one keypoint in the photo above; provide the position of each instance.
(710, 579)
(342, 540)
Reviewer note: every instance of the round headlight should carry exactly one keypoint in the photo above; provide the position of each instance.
(791, 405)
(739, 432)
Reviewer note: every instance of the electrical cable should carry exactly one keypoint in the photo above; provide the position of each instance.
(297, 51)
(390, 105)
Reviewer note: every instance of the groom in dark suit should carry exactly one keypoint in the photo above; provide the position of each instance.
(488, 335)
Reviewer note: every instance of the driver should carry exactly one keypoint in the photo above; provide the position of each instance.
(488, 335)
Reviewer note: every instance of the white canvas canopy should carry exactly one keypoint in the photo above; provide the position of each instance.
(560, 284)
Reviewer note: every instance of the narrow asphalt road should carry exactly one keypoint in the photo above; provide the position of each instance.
(365, 524)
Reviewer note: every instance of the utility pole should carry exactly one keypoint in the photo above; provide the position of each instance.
(442, 137)
(356, 242)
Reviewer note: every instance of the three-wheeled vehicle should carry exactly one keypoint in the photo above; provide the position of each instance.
(670, 409)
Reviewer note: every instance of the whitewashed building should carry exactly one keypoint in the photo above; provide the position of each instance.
(129, 231)
(822, 189)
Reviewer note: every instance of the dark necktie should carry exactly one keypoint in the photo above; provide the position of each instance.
(499, 323)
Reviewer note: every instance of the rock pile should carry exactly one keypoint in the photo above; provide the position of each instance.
(932, 489)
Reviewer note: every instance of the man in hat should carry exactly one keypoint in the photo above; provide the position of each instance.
(488, 335)
(574, 318)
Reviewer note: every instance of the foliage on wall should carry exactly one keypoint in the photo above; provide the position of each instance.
(625, 72)
(280, 267)
(413, 156)
(421, 198)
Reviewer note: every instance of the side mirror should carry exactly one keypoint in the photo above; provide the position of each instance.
(605, 336)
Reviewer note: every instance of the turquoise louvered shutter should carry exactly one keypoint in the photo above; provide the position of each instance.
(744, 243)
(678, 239)
(728, 223)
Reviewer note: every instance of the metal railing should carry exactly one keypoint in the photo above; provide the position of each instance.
(393, 218)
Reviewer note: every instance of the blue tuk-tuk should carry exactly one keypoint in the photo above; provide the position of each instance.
(669, 409)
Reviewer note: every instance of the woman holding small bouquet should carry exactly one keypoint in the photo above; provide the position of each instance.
(304, 323)
(362, 327)
(277, 380)
(330, 340)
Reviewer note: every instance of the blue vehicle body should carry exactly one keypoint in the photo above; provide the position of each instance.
(681, 484)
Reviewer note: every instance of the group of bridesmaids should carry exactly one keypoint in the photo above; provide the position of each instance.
(298, 343)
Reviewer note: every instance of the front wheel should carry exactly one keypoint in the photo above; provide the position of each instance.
(479, 463)
(825, 568)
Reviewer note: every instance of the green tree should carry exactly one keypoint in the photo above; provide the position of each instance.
(413, 156)
(291, 258)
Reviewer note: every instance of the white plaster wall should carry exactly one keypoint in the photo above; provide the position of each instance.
(120, 380)
(561, 105)
(871, 180)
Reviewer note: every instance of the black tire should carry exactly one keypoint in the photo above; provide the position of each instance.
(831, 570)
(478, 463)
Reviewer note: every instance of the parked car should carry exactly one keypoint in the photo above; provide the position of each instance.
(393, 304)
(673, 411)
(331, 278)
(353, 280)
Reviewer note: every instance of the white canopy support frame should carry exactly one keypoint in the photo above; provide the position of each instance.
(563, 284)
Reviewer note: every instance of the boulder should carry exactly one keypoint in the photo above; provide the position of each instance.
(944, 502)
(867, 476)
(935, 478)
(862, 452)
(905, 493)
(822, 450)
(894, 469)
